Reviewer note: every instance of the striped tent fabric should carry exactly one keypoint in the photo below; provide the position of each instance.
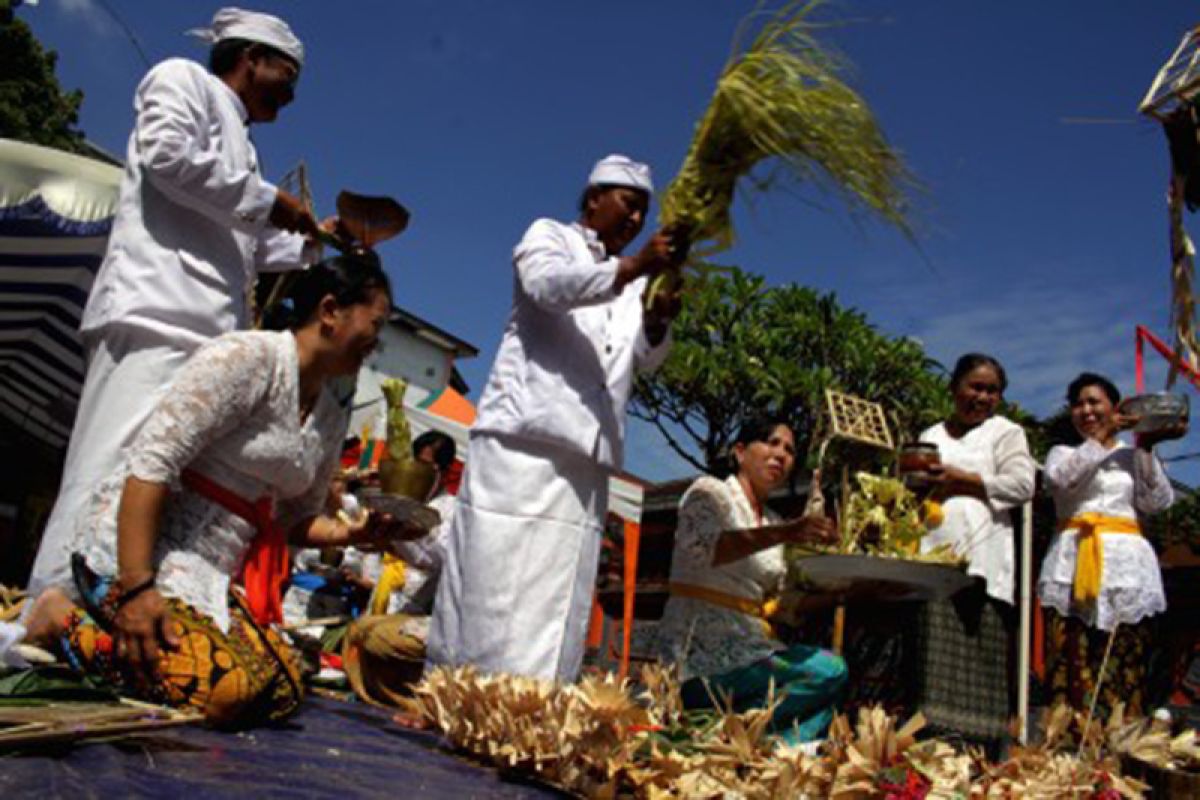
(56, 211)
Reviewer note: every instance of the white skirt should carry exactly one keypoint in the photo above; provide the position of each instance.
(1131, 587)
(128, 371)
(516, 588)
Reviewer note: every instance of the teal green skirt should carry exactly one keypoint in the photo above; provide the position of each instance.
(808, 682)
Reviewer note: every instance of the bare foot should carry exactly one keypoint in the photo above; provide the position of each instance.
(46, 619)
(412, 722)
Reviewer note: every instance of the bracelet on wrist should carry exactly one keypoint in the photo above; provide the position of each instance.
(134, 591)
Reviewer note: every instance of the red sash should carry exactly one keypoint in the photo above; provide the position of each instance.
(268, 563)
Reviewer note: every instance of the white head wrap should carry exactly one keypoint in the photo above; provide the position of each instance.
(254, 26)
(619, 170)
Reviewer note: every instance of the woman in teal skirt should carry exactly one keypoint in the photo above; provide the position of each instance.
(726, 569)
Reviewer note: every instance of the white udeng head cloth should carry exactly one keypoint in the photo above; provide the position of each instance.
(253, 26)
(619, 170)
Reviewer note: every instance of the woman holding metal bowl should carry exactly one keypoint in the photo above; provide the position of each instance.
(1100, 579)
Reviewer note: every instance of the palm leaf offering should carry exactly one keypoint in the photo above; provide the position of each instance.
(12, 600)
(1152, 742)
(885, 518)
(782, 99)
(599, 738)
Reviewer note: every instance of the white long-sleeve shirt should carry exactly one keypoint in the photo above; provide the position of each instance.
(1122, 482)
(981, 530)
(191, 229)
(565, 368)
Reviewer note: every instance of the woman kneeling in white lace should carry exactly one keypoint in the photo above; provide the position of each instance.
(232, 466)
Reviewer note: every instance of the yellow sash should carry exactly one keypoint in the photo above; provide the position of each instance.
(1089, 561)
(716, 597)
(390, 580)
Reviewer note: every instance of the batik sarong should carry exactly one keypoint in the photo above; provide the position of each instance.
(242, 678)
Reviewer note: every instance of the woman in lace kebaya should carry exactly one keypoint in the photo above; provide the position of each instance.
(727, 565)
(235, 462)
(1100, 575)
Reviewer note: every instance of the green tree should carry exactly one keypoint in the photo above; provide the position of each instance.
(33, 106)
(741, 348)
(1178, 524)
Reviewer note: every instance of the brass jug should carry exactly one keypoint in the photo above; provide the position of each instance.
(409, 478)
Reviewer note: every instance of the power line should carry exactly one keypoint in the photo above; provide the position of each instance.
(129, 34)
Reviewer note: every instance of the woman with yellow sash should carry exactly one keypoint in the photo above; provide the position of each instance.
(726, 567)
(1100, 575)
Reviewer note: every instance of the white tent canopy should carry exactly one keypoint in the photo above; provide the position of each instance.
(56, 210)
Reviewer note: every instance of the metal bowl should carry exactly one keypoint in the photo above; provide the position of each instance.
(402, 509)
(1156, 411)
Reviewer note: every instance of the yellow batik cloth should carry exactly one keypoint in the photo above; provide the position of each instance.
(390, 580)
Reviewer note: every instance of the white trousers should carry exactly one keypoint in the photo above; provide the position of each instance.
(522, 551)
(128, 371)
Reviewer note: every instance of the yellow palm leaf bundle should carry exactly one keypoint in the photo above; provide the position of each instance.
(782, 99)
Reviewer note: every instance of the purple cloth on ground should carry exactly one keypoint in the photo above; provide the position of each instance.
(329, 749)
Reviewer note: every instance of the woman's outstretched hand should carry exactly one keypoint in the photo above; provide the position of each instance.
(812, 529)
(374, 529)
(1117, 423)
(1149, 439)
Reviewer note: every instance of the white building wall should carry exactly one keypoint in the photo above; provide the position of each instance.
(408, 356)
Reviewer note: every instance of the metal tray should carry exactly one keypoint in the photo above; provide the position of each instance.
(889, 578)
(403, 509)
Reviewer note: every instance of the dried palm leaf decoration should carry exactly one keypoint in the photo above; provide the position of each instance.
(1173, 100)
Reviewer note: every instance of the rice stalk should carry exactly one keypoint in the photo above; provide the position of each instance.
(781, 99)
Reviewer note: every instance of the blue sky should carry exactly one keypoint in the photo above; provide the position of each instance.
(1044, 239)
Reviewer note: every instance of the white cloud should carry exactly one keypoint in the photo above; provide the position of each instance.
(1044, 335)
(91, 14)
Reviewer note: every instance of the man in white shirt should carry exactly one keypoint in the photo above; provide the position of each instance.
(195, 223)
(522, 548)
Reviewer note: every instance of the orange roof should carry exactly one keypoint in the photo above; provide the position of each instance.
(449, 403)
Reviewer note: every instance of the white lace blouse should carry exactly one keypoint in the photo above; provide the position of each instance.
(233, 415)
(997, 451)
(1121, 482)
(703, 638)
